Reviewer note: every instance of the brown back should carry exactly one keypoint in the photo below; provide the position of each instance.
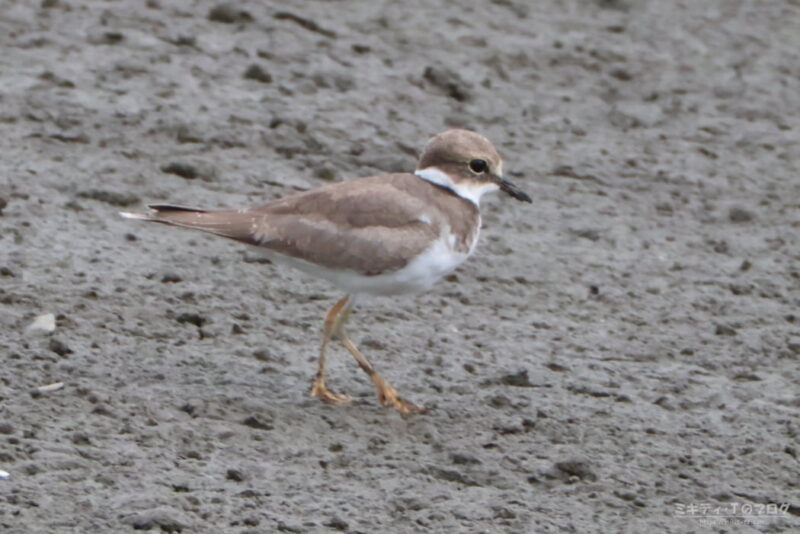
(369, 225)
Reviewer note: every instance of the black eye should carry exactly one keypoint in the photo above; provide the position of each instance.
(478, 166)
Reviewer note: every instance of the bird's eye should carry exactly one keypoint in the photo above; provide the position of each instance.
(478, 166)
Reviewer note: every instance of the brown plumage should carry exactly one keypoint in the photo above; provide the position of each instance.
(368, 225)
(456, 147)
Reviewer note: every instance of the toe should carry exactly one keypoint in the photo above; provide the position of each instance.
(321, 391)
(409, 408)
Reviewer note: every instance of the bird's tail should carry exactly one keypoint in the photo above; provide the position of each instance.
(227, 223)
(137, 216)
(161, 212)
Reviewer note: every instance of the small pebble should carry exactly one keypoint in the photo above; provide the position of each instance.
(234, 475)
(254, 422)
(519, 379)
(228, 14)
(184, 170)
(59, 347)
(574, 468)
(171, 278)
(724, 330)
(738, 214)
(42, 324)
(55, 386)
(191, 318)
(337, 524)
(255, 72)
(447, 81)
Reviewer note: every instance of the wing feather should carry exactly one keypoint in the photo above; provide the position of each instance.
(368, 225)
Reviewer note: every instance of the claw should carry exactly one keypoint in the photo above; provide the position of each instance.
(387, 396)
(321, 391)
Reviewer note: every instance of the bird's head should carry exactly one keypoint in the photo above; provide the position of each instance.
(467, 163)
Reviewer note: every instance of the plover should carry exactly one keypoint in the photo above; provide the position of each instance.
(390, 234)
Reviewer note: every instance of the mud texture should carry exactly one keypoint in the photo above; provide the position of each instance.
(622, 349)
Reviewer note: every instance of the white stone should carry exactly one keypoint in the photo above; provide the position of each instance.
(42, 324)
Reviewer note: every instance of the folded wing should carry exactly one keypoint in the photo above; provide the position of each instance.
(370, 227)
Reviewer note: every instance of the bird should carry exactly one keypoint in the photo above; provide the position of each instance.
(388, 235)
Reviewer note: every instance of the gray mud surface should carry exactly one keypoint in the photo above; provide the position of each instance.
(625, 346)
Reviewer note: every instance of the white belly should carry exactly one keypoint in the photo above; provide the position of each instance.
(419, 275)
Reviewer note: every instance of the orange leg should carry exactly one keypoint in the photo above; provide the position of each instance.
(330, 329)
(334, 328)
(387, 395)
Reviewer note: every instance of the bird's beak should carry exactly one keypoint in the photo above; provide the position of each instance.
(508, 186)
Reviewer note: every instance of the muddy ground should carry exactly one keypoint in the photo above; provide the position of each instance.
(621, 350)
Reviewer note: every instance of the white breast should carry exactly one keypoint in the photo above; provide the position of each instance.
(420, 274)
(436, 262)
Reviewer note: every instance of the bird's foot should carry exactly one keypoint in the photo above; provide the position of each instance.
(321, 391)
(387, 396)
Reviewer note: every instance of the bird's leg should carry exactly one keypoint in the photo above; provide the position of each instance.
(387, 395)
(331, 328)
